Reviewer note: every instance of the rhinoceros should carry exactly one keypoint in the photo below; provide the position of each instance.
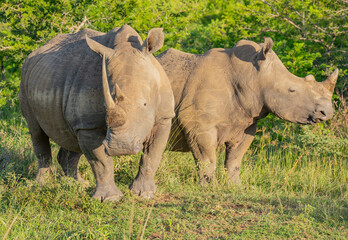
(100, 95)
(221, 94)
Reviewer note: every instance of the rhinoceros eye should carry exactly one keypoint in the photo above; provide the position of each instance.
(292, 90)
(144, 104)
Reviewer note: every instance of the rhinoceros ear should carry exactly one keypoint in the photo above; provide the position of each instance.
(267, 46)
(154, 41)
(99, 48)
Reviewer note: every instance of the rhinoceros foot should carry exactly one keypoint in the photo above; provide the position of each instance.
(206, 180)
(144, 188)
(234, 180)
(108, 194)
(114, 198)
(43, 175)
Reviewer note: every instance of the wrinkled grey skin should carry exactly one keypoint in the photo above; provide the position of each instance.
(100, 95)
(220, 95)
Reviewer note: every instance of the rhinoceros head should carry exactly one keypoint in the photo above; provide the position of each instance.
(295, 99)
(131, 85)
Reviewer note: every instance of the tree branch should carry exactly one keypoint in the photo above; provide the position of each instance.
(319, 28)
(5, 48)
(282, 16)
(78, 28)
(314, 40)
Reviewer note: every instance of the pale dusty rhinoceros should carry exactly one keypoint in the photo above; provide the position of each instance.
(118, 106)
(220, 95)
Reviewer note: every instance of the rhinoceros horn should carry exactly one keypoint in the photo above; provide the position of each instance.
(109, 102)
(330, 82)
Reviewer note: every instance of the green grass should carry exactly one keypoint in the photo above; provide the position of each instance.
(292, 188)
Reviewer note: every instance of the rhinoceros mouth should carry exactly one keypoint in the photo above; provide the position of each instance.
(121, 149)
(312, 120)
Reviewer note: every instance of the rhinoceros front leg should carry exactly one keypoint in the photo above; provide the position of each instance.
(235, 153)
(144, 183)
(69, 162)
(102, 165)
(203, 145)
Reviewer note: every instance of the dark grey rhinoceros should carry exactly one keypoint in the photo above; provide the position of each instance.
(64, 87)
(220, 95)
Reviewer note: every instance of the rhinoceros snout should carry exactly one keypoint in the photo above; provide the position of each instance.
(122, 148)
(323, 111)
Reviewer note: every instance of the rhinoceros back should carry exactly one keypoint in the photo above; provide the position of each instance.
(61, 86)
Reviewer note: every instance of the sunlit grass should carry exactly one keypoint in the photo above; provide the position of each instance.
(291, 188)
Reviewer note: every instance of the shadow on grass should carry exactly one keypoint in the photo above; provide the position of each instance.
(17, 162)
(15, 156)
(215, 203)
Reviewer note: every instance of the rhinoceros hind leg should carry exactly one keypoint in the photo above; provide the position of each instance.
(40, 140)
(42, 150)
(203, 145)
(234, 154)
(144, 183)
(69, 162)
(90, 142)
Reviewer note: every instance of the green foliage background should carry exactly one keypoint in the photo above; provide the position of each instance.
(294, 177)
(310, 36)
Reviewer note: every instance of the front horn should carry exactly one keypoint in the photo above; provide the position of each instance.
(330, 82)
(109, 102)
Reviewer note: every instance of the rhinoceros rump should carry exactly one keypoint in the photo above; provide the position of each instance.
(220, 95)
(64, 88)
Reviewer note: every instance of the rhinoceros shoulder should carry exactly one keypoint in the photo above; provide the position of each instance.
(63, 39)
(175, 60)
(174, 55)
